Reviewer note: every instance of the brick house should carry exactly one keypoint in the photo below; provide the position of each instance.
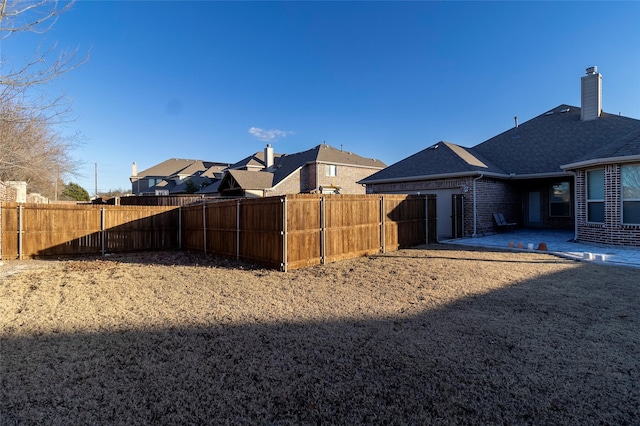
(569, 168)
(321, 169)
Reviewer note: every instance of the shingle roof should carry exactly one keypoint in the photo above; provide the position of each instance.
(284, 165)
(439, 159)
(216, 171)
(252, 161)
(539, 146)
(625, 146)
(198, 180)
(170, 167)
(557, 137)
(176, 166)
(211, 189)
(251, 180)
(327, 154)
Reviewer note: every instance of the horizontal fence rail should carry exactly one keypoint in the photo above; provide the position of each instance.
(286, 232)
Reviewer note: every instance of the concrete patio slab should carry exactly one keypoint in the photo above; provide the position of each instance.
(559, 243)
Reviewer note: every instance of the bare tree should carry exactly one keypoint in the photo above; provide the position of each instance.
(31, 149)
(38, 16)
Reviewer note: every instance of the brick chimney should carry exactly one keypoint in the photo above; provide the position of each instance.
(591, 95)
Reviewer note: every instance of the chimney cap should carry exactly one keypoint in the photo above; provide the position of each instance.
(592, 70)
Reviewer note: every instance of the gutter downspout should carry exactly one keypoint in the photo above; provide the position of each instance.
(475, 209)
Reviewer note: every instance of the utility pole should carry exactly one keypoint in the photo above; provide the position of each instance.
(96, 179)
(57, 179)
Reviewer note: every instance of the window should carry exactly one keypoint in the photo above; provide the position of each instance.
(560, 200)
(595, 196)
(630, 176)
(331, 170)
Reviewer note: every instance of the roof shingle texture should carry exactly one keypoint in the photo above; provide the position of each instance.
(539, 146)
(546, 142)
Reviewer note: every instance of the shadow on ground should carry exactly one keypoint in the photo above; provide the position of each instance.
(532, 353)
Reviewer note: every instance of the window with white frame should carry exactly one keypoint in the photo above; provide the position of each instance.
(595, 196)
(331, 170)
(560, 199)
(630, 177)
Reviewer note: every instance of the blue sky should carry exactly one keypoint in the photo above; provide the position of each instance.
(218, 80)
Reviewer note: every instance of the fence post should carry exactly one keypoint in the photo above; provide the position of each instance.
(284, 233)
(238, 230)
(204, 227)
(102, 231)
(20, 212)
(323, 232)
(382, 236)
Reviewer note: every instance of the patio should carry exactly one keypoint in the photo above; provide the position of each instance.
(558, 242)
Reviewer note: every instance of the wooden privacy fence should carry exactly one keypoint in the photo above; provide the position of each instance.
(295, 231)
(286, 232)
(41, 230)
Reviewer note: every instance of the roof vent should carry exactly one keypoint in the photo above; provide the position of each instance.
(548, 113)
(565, 110)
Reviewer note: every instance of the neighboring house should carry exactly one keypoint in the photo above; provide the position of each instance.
(322, 169)
(176, 176)
(569, 168)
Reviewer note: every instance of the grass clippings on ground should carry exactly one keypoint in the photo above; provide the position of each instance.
(431, 335)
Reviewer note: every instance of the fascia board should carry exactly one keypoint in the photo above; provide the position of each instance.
(598, 161)
(431, 177)
(539, 175)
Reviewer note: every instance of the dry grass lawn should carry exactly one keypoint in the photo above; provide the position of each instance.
(434, 335)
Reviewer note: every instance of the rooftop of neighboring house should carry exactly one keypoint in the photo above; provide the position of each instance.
(252, 162)
(263, 169)
(247, 179)
(324, 154)
(253, 172)
(179, 166)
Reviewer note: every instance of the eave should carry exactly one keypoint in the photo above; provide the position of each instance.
(431, 177)
(599, 161)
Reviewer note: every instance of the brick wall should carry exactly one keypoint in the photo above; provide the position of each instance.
(494, 196)
(290, 185)
(612, 231)
(346, 178)
(464, 185)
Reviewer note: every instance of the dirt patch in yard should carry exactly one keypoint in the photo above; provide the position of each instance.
(438, 334)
